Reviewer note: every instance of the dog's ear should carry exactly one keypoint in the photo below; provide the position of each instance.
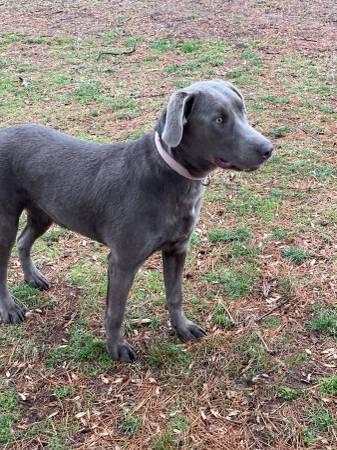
(238, 93)
(177, 111)
(235, 89)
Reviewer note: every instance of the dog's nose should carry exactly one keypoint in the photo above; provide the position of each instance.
(265, 150)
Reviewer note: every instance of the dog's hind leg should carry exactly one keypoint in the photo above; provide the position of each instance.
(37, 223)
(9, 311)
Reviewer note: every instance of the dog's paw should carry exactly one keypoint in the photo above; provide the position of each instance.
(122, 351)
(37, 280)
(12, 315)
(190, 331)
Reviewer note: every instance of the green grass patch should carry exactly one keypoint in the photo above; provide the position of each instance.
(275, 100)
(220, 317)
(280, 234)
(240, 76)
(153, 281)
(249, 204)
(296, 255)
(241, 235)
(162, 45)
(8, 414)
(324, 172)
(289, 394)
(61, 79)
(62, 392)
(190, 46)
(35, 40)
(180, 423)
(272, 322)
(328, 386)
(122, 103)
(89, 92)
(297, 360)
(4, 63)
(168, 356)
(253, 58)
(165, 441)
(324, 320)
(54, 234)
(235, 283)
(281, 131)
(130, 424)
(321, 419)
(9, 38)
(90, 277)
(241, 250)
(55, 433)
(26, 295)
(84, 351)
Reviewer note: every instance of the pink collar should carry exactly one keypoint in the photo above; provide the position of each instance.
(171, 162)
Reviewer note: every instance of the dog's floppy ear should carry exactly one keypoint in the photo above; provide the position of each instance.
(238, 93)
(176, 117)
(235, 89)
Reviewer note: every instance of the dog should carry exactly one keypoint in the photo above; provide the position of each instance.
(135, 197)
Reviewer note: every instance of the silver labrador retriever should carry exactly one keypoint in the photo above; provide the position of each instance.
(135, 197)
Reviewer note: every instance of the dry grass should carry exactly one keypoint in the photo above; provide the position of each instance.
(263, 378)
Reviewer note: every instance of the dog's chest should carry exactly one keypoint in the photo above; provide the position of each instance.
(182, 216)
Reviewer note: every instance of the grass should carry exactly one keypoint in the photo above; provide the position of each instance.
(289, 394)
(272, 322)
(26, 295)
(130, 424)
(296, 255)
(262, 238)
(281, 131)
(297, 360)
(280, 234)
(165, 441)
(8, 414)
(250, 204)
(90, 277)
(250, 351)
(324, 321)
(83, 352)
(221, 317)
(241, 235)
(321, 419)
(168, 356)
(62, 392)
(234, 283)
(89, 92)
(328, 386)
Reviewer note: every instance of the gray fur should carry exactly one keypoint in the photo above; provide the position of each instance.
(175, 119)
(122, 195)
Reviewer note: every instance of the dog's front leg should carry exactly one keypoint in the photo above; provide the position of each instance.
(120, 279)
(173, 272)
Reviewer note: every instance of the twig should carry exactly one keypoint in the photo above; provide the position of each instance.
(229, 314)
(264, 343)
(126, 52)
(308, 39)
(272, 310)
(148, 96)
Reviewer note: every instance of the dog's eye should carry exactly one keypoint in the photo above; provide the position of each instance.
(219, 120)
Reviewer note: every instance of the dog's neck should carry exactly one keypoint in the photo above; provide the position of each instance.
(180, 155)
(171, 161)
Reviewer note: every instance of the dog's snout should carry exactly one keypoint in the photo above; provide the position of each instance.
(265, 150)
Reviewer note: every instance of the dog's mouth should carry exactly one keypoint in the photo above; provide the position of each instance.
(224, 164)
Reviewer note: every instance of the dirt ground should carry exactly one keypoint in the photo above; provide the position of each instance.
(262, 272)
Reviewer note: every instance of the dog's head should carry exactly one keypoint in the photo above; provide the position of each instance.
(207, 122)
